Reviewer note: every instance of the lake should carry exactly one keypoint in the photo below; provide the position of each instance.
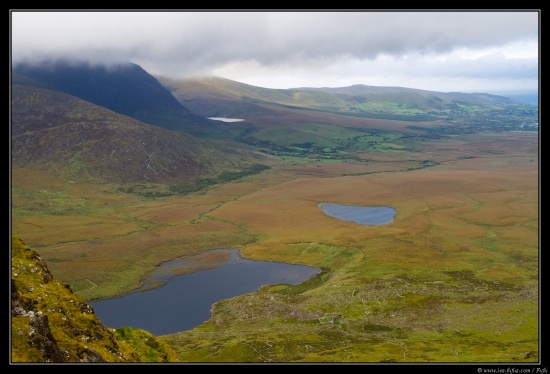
(364, 215)
(188, 288)
(223, 119)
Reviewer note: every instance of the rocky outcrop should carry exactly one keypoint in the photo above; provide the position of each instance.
(50, 323)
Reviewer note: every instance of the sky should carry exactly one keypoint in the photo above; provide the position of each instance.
(467, 51)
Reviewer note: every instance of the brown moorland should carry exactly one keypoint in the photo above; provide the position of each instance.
(453, 279)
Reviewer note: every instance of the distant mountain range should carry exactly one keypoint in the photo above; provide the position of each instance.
(121, 124)
(361, 89)
(375, 92)
(219, 96)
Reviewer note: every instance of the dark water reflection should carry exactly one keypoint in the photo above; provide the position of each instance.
(360, 214)
(184, 301)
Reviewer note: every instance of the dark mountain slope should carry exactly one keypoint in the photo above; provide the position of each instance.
(87, 141)
(49, 323)
(126, 89)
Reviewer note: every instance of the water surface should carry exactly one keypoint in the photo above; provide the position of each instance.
(223, 119)
(364, 215)
(184, 301)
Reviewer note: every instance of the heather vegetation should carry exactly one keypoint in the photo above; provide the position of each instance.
(454, 278)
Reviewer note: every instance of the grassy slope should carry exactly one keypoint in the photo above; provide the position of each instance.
(212, 97)
(49, 323)
(83, 141)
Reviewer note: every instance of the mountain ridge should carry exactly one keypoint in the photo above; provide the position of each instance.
(123, 88)
(53, 127)
(358, 89)
(215, 96)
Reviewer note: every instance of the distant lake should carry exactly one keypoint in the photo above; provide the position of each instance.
(359, 214)
(189, 288)
(223, 119)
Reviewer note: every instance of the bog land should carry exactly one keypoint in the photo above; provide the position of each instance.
(454, 278)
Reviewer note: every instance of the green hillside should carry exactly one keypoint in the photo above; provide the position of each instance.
(85, 142)
(50, 323)
(393, 103)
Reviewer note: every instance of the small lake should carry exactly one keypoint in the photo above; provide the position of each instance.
(364, 215)
(223, 119)
(188, 288)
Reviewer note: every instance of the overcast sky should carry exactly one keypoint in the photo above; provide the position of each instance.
(469, 51)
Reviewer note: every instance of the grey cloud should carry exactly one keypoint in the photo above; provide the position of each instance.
(267, 37)
(191, 43)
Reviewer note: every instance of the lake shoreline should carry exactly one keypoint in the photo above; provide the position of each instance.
(171, 301)
(364, 215)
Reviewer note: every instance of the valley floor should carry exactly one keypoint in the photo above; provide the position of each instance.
(455, 277)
